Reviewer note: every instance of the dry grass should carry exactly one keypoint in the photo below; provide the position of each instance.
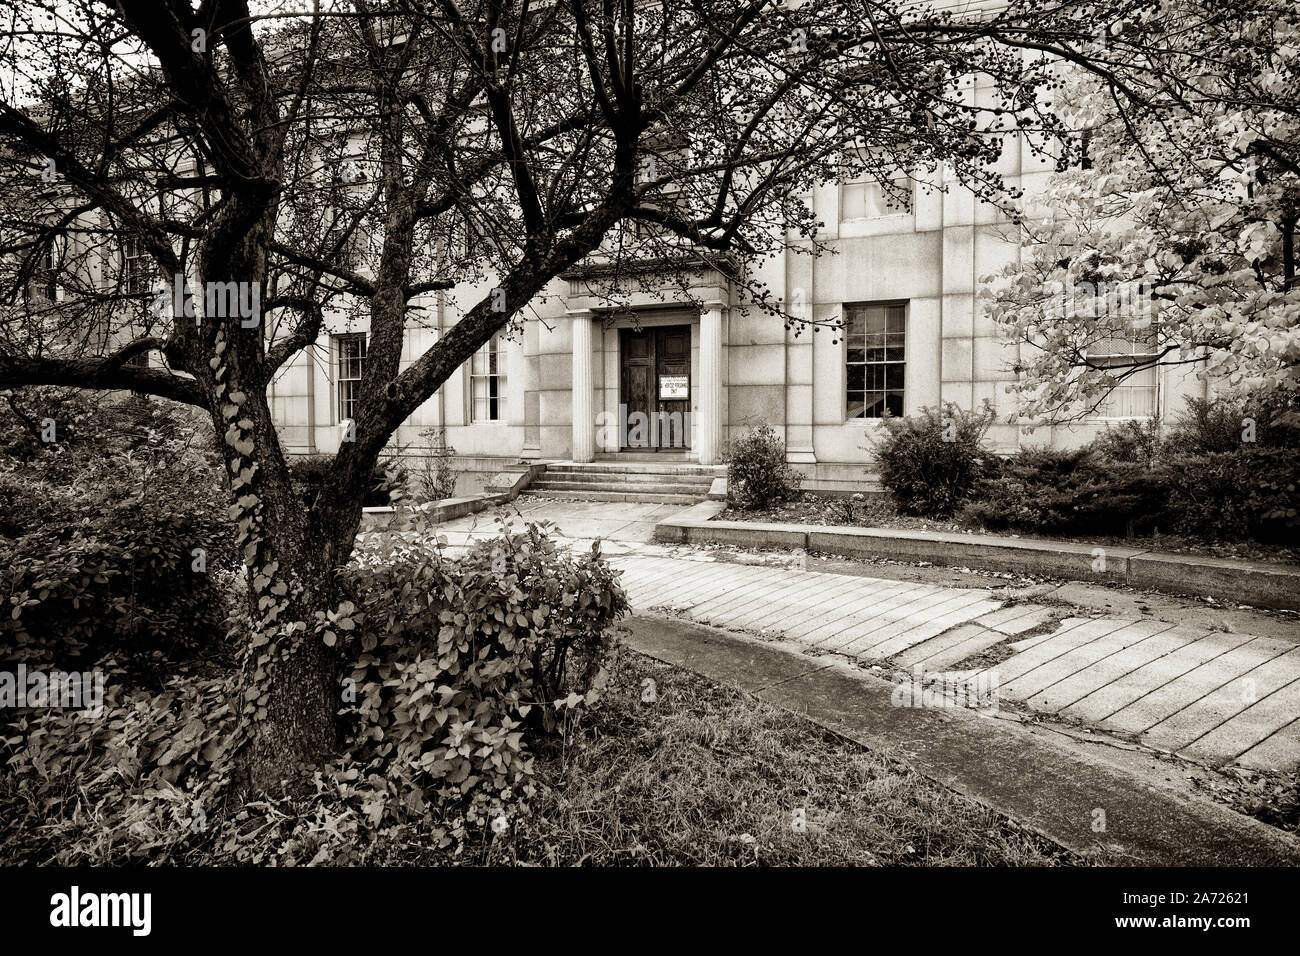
(708, 775)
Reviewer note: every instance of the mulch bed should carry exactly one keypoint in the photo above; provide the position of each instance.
(877, 511)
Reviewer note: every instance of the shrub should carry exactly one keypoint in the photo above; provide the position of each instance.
(458, 666)
(436, 478)
(1250, 493)
(1223, 425)
(930, 462)
(757, 473)
(97, 536)
(1067, 492)
(125, 580)
(1134, 442)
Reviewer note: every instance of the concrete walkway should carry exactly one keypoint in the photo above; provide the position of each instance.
(1220, 698)
(1062, 791)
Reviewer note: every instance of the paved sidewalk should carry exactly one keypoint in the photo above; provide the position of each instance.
(1081, 802)
(1220, 698)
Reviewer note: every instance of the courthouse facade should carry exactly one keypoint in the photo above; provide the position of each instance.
(677, 376)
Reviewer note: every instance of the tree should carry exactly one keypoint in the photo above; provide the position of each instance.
(334, 161)
(1174, 235)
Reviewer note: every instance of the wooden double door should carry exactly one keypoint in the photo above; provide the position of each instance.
(655, 388)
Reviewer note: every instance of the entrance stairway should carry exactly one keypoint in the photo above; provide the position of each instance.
(647, 479)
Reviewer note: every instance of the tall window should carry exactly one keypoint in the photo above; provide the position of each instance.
(875, 342)
(351, 350)
(1137, 392)
(487, 383)
(871, 199)
(135, 267)
(43, 284)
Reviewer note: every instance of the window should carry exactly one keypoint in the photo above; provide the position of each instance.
(487, 383)
(43, 285)
(135, 267)
(869, 199)
(875, 343)
(1136, 394)
(351, 350)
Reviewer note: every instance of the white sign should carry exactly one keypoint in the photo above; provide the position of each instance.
(673, 387)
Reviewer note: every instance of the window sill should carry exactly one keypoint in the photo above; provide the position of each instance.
(893, 215)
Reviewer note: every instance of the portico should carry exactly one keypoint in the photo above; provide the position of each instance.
(649, 381)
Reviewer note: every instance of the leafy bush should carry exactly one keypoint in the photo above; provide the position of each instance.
(127, 579)
(309, 472)
(1067, 492)
(457, 659)
(930, 462)
(757, 472)
(98, 533)
(458, 667)
(436, 478)
(1223, 425)
(1250, 493)
(1135, 442)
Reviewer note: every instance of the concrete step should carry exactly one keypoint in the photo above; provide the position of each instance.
(637, 496)
(696, 489)
(656, 457)
(638, 468)
(636, 478)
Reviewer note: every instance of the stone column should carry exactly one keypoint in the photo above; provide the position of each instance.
(709, 433)
(583, 445)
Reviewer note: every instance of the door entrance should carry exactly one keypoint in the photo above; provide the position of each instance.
(655, 388)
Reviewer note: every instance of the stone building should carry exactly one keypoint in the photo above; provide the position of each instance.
(676, 380)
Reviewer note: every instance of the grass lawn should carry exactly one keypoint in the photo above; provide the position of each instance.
(878, 511)
(708, 775)
(705, 775)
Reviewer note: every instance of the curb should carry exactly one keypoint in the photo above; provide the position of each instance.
(1051, 788)
(505, 487)
(1257, 583)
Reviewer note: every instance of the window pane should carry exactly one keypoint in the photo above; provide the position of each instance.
(854, 325)
(875, 351)
(853, 201)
